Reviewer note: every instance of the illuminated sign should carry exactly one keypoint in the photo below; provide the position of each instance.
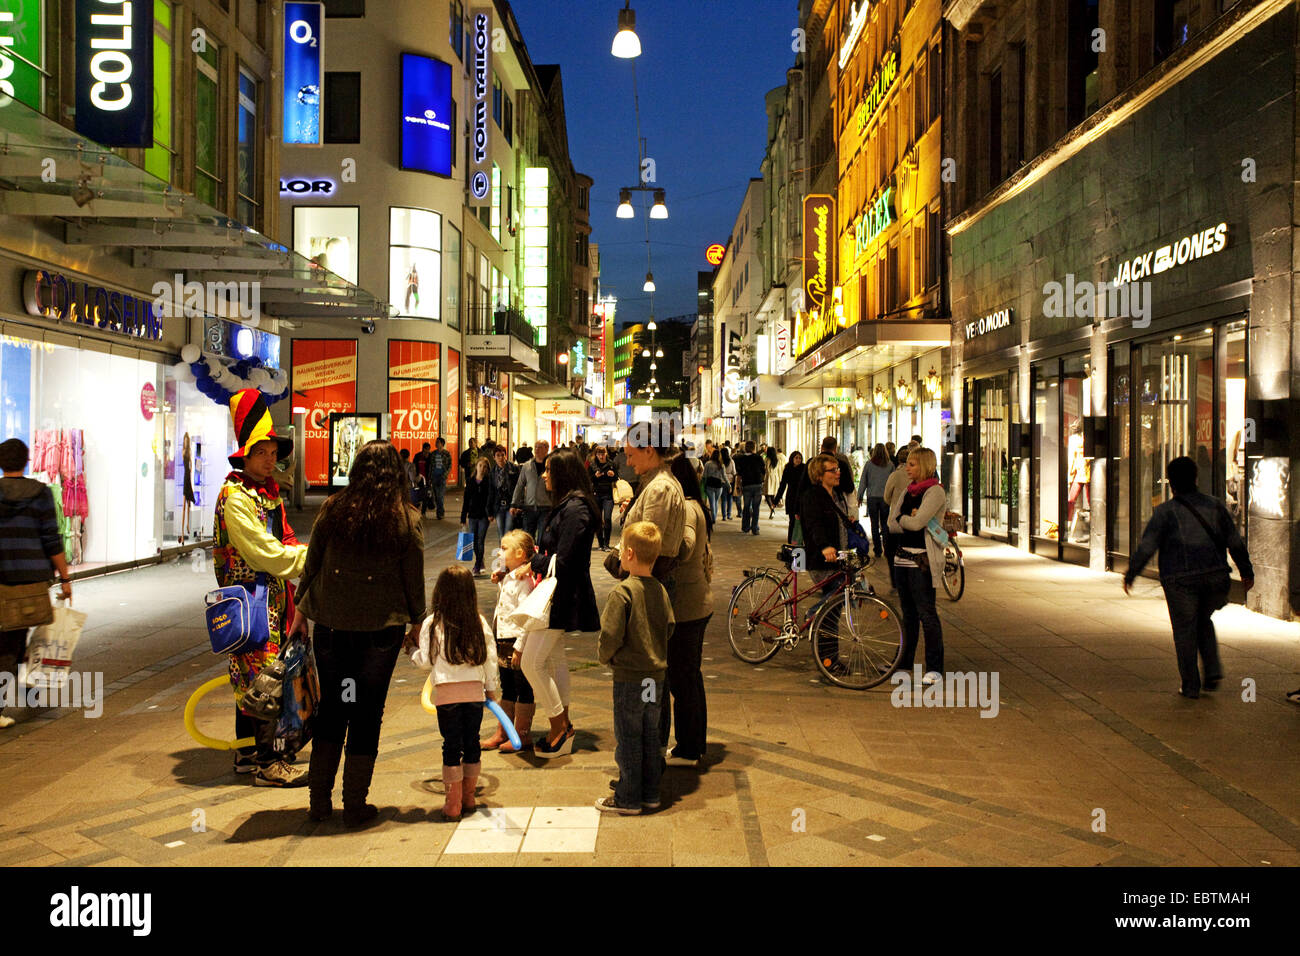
(426, 115)
(818, 250)
(732, 385)
(1198, 245)
(56, 296)
(713, 255)
(872, 222)
(114, 67)
(811, 329)
(578, 360)
(989, 323)
(537, 182)
(838, 396)
(784, 341)
(857, 23)
(480, 181)
(879, 87)
(303, 63)
(297, 187)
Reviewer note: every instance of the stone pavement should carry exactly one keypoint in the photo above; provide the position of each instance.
(1089, 732)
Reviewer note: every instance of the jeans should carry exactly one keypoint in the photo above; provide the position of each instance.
(636, 741)
(878, 514)
(714, 495)
(438, 491)
(726, 503)
(547, 669)
(478, 527)
(753, 496)
(891, 549)
(686, 685)
(459, 725)
(1191, 602)
(504, 522)
(355, 668)
(606, 521)
(533, 520)
(916, 595)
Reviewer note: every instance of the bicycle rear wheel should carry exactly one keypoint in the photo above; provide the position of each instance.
(954, 573)
(755, 617)
(857, 641)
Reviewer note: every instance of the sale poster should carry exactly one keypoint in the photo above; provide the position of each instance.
(413, 406)
(324, 381)
(451, 431)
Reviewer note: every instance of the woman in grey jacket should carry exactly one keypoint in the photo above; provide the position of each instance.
(918, 562)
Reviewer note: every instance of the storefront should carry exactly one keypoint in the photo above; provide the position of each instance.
(1096, 348)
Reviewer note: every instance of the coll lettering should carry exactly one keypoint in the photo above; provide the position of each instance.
(110, 68)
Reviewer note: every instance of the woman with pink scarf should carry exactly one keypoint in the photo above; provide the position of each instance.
(918, 564)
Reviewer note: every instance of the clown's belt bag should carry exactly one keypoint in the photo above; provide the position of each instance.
(238, 619)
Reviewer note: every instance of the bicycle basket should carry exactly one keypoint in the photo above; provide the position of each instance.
(953, 522)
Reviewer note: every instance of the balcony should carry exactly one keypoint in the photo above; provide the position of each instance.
(501, 338)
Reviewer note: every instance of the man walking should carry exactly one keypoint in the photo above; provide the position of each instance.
(750, 470)
(439, 468)
(532, 502)
(1191, 531)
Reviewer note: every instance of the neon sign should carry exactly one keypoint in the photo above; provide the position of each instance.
(818, 251)
(714, 254)
(874, 221)
(880, 86)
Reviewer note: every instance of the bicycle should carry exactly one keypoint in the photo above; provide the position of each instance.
(954, 570)
(866, 630)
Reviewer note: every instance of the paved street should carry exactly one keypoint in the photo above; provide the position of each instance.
(1089, 731)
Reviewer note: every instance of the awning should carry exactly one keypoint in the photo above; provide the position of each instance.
(865, 348)
(107, 201)
(771, 396)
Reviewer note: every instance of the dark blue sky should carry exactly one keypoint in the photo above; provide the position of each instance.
(704, 69)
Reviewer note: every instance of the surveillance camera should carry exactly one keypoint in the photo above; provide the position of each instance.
(368, 327)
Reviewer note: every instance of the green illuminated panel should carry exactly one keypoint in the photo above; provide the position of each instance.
(26, 31)
(536, 197)
(535, 217)
(535, 298)
(535, 276)
(157, 158)
(496, 202)
(537, 176)
(535, 256)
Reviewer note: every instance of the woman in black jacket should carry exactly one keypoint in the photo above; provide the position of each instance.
(505, 474)
(567, 538)
(791, 478)
(603, 475)
(479, 508)
(825, 531)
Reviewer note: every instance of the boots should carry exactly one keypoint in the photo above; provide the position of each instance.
(471, 781)
(357, 771)
(523, 719)
(451, 782)
(321, 772)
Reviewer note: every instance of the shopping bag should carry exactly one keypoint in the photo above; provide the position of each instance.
(298, 702)
(464, 546)
(49, 652)
(238, 619)
(534, 612)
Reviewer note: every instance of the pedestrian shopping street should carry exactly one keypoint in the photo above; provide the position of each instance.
(1090, 756)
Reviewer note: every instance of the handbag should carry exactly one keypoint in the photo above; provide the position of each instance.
(265, 699)
(534, 612)
(464, 546)
(49, 654)
(25, 605)
(858, 539)
(238, 620)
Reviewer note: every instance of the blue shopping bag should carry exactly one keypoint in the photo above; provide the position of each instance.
(464, 546)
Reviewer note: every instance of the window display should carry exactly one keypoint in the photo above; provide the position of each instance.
(324, 381)
(415, 262)
(348, 433)
(328, 236)
(413, 374)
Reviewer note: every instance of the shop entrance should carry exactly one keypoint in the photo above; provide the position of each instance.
(1060, 469)
(991, 474)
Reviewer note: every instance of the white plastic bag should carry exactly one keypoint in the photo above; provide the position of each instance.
(534, 611)
(49, 652)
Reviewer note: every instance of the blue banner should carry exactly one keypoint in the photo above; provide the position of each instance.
(426, 114)
(303, 56)
(114, 55)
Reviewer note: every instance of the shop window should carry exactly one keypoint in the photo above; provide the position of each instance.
(998, 489)
(208, 184)
(995, 127)
(935, 68)
(343, 108)
(1076, 402)
(496, 99)
(329, 237)
(324, 377)
(451, 417)
(414, 407)
(1083, 92)
(248, 181)
(1120, 436)
(1170, 27)
(415, 262)
(1232, 412)
(456, 30)
(158, 158)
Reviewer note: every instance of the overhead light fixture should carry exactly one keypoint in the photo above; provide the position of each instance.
(659, 353)
(624, 204)
(649, 286)
(650, 327)
(563, 358)
(627, 45)
(859, 402)
(653, 366)
(645, 353)
(659, 210)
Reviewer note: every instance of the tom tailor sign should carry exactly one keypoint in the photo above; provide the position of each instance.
(480, 180)
(114, 59)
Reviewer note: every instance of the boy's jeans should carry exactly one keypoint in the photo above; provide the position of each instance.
(636, 736)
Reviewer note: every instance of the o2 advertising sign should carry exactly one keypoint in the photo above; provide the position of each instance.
(426, 114)
(114, 54)
(303, 56)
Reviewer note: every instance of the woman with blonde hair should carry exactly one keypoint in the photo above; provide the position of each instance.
(918, 561)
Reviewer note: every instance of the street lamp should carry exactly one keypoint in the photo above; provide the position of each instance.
(624, 204)
(659, 210)
(627, 45)
(649, 287)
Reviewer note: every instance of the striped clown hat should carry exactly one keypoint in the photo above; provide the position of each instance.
(253, 424)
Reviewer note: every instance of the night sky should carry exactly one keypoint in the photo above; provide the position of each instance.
(704, 69)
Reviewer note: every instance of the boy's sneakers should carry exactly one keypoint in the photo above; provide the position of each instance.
(645, 804)
(607, 805)
(245, 763)
(280, 774)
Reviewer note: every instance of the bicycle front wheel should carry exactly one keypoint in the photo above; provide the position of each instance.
(954, 573)
(857, 641)
(755, 617)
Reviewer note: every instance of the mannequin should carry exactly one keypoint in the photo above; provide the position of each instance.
(1078, 481)
(189, 488)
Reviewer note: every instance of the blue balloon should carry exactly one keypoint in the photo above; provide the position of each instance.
(506, 724)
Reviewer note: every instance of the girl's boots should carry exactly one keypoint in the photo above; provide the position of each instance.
(470, 782)
(452, 780)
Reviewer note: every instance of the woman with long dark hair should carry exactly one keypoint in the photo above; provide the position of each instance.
(363, 586)
(791, 478)
(567, 538)
(477, 509)
(692, 608)
(729, 476)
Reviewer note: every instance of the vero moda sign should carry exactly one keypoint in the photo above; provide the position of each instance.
(114, 57)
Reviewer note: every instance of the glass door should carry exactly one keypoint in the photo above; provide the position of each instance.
(1045, 460)
(1076, 400)
(997, 484)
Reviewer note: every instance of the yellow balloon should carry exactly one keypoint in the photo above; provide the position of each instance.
(426, 695)
(197, 734)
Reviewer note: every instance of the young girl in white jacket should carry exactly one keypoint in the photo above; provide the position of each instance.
(456, 640)
(516, 581)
